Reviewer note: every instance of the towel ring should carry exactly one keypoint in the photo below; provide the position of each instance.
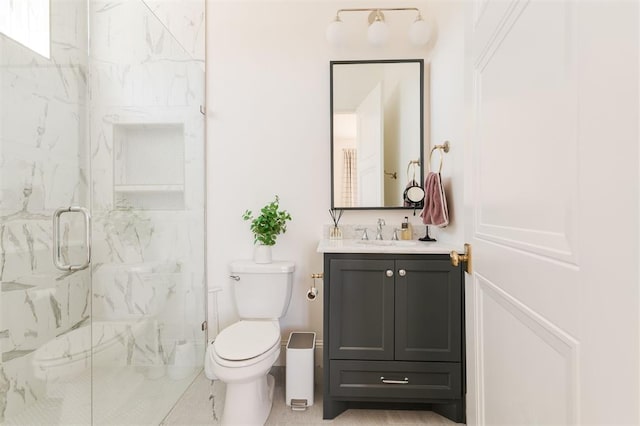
(442, 148)
(412, 166)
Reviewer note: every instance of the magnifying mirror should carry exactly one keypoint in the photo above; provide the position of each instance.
(414, 195)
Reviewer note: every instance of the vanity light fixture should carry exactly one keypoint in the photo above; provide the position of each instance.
(378, 31)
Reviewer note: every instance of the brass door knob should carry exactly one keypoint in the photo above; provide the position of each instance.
(457, 258)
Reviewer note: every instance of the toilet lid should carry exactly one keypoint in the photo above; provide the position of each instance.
(246, 339)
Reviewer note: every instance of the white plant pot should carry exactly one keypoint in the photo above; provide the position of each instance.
(262, 254)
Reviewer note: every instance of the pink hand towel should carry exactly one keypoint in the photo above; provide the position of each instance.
(435, 210)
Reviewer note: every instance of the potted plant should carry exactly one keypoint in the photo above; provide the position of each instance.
(266, 227)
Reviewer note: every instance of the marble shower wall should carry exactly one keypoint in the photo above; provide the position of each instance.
(43, 166)
(147, 156)
(58, 148)
(185, 20)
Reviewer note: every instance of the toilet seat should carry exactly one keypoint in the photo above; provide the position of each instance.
(246, 340)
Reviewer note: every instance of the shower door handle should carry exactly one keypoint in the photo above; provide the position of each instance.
(57, 243)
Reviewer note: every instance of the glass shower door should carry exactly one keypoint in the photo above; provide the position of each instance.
(117, 134)
(45, 312)
(147, 160)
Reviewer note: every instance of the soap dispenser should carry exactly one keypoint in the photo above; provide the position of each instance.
(406, 232)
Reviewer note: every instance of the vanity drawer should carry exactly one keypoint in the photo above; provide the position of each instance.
(394, 379)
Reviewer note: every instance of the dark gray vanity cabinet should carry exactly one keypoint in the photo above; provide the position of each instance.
(393, 333)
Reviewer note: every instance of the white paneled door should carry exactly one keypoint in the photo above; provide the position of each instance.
(552, 212)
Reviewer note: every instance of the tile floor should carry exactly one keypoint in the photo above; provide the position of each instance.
(196, 407)
(121, 396)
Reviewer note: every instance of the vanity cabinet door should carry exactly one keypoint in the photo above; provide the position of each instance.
(361, 318)
(428, 315)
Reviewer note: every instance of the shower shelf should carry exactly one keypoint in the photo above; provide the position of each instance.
(148, 188)
(149, 166)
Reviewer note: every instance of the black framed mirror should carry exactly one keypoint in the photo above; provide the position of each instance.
(377, 133)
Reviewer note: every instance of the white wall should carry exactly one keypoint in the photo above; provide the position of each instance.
(268, 130)
(447, 110)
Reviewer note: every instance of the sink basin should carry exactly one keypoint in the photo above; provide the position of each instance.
(387, 243)
(382, 246)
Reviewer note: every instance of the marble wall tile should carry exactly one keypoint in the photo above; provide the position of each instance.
(22, 388)
(148, 265)
(44, 163)
(26, 244)
(185, 20)
(122, 291)
(42, 309)
(43, 115)
(35, 310)
(137, 61)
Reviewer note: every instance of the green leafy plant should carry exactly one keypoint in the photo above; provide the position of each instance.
(269, 224)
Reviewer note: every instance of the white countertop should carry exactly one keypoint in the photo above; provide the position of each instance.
(384, 246)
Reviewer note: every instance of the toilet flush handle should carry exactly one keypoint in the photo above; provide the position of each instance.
(234, 277)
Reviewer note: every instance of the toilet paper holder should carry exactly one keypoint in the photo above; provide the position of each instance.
(312, 293)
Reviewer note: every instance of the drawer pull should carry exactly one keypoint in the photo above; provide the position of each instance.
(405, 381)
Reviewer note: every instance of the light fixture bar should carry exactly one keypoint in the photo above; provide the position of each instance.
(377, 12)
(374, 9)
(378, 32)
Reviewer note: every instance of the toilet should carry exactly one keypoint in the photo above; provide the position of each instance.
(243, 353)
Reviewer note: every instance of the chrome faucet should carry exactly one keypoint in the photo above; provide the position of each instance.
(381, 223)
(365, 236)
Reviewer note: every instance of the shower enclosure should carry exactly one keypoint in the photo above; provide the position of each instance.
(101, 212)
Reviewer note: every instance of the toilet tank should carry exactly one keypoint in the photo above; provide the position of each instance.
(262, 290)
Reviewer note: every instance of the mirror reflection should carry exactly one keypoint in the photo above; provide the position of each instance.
(377, 132)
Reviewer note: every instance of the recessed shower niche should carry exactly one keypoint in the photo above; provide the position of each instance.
(148, 166)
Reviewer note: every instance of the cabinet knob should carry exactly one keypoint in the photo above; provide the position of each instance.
(389, 273)
(402, 272)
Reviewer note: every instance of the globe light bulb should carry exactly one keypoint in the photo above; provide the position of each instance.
(378, 33)
(336, 34)
(419, 32)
